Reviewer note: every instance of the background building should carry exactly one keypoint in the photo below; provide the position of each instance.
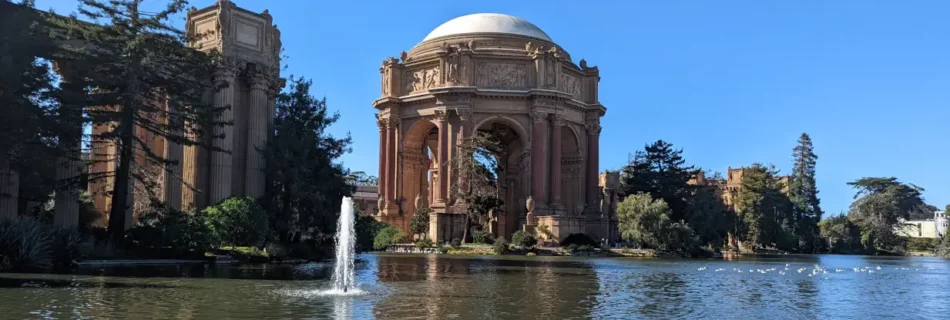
(928, 228)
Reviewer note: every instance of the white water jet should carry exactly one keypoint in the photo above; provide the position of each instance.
(344, 275)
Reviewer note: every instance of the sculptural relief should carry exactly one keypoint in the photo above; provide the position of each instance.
(500, 75)
(569, 84)
(422, 79)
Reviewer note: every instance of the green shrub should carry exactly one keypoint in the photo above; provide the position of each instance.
(25, 244)
(66, 246)
(238, 221)
(456, 243)
(523, 239)
(922, 244)
(366, 230)
(530, 254)
(578, 239)
(500, 246)
(423, 243)
(482, 236)
(443, 249)
(161, 227)
(387, 237)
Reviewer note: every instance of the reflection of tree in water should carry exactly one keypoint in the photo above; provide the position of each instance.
(487, 288)
(662, 295)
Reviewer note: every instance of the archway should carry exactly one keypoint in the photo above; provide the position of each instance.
(513, 177)
(572, 173)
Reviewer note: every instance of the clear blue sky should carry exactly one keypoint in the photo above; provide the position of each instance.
(730, 82)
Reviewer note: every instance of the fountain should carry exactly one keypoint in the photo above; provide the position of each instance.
(344, 275)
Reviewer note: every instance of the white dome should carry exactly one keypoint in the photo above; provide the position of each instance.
(488, 23)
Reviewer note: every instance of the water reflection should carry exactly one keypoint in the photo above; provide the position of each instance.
(443, 287)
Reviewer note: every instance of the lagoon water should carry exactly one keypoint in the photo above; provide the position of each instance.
(469, 287)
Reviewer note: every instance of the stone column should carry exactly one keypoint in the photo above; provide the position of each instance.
(223, 140)
(69, 165)
(174, 153)
(593, 161)
(538, 159)
(442, 189)
(391, 126)
(557, 121)
(191, 170)
(256, 135)
(9, 190)
(465, 131)
(381, 180)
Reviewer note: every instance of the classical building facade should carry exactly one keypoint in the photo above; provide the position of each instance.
(504, 76)
(251, 45)
(731, 184)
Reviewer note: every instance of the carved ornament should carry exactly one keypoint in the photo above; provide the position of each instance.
(422, 79)
(557, 119)
(569, 84)
(440, 115)
(545, 102)
(537, 116)
(465, 114)
(500, 75)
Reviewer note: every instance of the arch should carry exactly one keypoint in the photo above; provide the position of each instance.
(509, 121)
(572, 172)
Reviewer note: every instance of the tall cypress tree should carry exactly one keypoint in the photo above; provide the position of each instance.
(145, 78)
(803, 193)
(764, 209)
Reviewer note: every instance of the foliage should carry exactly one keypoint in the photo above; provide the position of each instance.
(366, 230)
(764, 210)
(943, 249)
(500, 246)
(305, 181)
(475, 174)
(361, 178)
(711, 217)
(482, 236)
(841, 235)
(420, 222)
(456, 243)
(579, 239)
(523, 239)
(161, 227)
(30, 244)
(424, 243)
(642, 219)
(25, 244)
(238, 221)
(879, 206)
(923, 244)
(660, 171)
(803, 193)
(387, 236)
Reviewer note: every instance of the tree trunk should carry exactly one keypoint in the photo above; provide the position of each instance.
(120, 188)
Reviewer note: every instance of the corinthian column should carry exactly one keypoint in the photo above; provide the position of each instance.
(381, 181)
(223, 140)
(442, 190)
(538, 132)
(557, 121)
(256, 134)
(593, 161)
(9, 189)
(174, 152)
(68, 167)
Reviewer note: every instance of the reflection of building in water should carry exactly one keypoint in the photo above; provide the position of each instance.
(928, 228)
(503, 76)
(443, 287)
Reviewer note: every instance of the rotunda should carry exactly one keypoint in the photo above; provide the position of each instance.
(505, 76)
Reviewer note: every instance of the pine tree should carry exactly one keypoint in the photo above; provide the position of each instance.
(803, 193)
(145, 78)
(477, 171)
(29, 111)
(764, 210)
(305, 181)
(661, 171)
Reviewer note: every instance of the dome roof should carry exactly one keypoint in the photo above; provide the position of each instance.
(488, 23)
